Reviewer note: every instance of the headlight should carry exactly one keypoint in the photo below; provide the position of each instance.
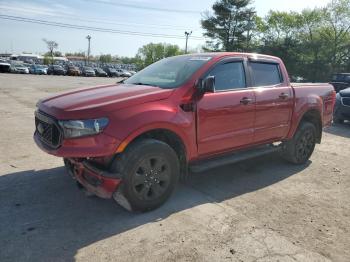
(79, 128)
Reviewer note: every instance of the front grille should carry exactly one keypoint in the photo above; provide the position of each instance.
(346, 101)
(47, 129)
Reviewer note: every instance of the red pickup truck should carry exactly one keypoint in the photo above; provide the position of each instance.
(132, 141)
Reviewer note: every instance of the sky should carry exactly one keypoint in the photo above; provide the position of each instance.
(122, 26)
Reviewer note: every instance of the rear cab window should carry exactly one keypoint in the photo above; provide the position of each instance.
(265, 74)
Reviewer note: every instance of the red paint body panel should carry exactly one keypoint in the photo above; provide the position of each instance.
(219, 122)
(99, 101)
(223, 122)
(273, 114)
(106, 187)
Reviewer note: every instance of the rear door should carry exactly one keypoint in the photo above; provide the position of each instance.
(274, 101)
(225, 118)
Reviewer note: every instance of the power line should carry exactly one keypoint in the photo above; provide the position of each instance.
(150, 8)
(100, 21)
(96, 29)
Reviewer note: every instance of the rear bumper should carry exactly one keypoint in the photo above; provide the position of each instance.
(98, 182)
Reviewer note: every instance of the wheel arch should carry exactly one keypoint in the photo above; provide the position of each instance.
(166, 135)
(313, 116)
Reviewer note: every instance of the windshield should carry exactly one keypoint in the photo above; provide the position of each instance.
(169, 72)
(88, 68)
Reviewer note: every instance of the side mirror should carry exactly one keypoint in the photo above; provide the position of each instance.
(208, 84)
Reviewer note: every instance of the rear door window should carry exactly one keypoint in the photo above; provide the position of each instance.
(265, 74)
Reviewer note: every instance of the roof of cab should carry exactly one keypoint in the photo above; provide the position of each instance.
(253, 56)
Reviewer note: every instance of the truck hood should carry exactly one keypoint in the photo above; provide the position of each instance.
(345, 92)
(97, 101)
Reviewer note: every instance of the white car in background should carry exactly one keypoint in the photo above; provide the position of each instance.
(19, 69)
(123, 73)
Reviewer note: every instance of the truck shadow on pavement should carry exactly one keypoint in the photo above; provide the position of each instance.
(44, 217)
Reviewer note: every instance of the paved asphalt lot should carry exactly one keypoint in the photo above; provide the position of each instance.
(260, 210)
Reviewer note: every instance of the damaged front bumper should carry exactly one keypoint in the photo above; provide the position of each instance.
(95, 180)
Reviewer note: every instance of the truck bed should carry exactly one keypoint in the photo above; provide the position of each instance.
(307, 93)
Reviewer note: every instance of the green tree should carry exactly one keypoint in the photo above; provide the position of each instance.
(47, 60)
(336, 33)
(313, 43)
(105, 58)
(55, 53)
(230, 26)
(150, 53)
(51, 45)
(311, 61)
(279, 37)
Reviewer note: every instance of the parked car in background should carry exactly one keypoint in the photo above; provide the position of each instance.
(56, 70)
(5, 67)
(133, 72)
(342, 106)
(341, 81)
(88, 71)
(38, 70)
(100, 72)
(19, 69)
(123, 73)
(132, 141)
(298, 79)
(73, 71)
(111, 71)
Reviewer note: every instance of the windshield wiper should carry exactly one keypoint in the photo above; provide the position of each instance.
(143, 84)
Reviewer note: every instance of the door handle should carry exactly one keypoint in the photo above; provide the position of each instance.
(283, 96)
(246, 100)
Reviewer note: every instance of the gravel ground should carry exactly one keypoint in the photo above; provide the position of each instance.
(260, 210)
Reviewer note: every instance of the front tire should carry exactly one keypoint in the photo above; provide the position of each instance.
(150, 171)
(300, 148)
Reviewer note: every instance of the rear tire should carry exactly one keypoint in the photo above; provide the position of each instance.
(150, 171)
(300, 148)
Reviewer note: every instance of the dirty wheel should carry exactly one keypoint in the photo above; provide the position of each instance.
(150, 171)
(300, 148)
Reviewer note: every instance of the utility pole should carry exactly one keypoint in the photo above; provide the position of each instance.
(88, 55)
(251, 15)
(187, 34)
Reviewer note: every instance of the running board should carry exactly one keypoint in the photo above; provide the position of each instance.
(233, 158)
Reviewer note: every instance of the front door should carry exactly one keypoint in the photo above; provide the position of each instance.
(225, 118)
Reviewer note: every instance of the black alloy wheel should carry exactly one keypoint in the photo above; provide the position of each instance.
(149, 170)
(305, 145)
(151, 178)
(299, 149)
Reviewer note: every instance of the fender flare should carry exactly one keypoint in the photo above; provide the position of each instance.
(156, 126)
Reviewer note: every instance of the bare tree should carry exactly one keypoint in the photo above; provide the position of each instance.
(51, 45)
